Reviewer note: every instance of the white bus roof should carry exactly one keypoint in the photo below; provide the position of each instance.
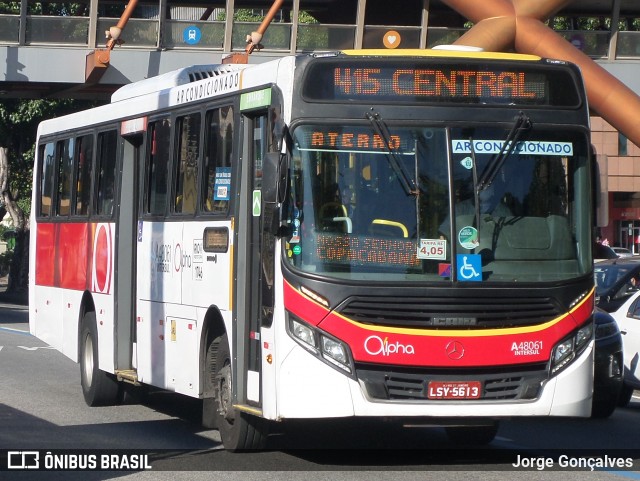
(173, 79)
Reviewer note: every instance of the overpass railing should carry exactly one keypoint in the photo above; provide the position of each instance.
(140, 33)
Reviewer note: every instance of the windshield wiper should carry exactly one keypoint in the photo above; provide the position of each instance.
(522, 123)
(396, 164)
(476, 196)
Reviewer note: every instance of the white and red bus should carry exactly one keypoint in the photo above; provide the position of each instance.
(397, 234)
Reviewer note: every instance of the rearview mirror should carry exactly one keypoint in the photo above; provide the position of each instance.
(274, 178)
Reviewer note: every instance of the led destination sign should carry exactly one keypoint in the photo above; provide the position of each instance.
(437, 82)
(352, 139)
(425, 81)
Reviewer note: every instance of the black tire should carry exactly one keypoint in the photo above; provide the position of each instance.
(625, 395)
(603, 408)
(98, 387)
(473, 435)
(239, 431)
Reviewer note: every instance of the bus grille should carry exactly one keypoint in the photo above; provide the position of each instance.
(403, 384)
(481, 311)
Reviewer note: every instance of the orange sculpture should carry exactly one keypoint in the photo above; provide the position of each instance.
(503, 25)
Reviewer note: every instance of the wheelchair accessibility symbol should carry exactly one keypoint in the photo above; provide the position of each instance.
(469, 267)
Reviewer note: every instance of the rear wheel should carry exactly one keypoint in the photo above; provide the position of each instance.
(239, 431)
(473, 435)
(98, 387)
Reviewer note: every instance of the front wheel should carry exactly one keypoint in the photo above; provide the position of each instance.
(625, 395)
(239, 431)
(98, 387)
(603, 408)
(473, 435)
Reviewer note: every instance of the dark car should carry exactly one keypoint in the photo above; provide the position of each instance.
(608, 365)
(616, 282)
(602, 252)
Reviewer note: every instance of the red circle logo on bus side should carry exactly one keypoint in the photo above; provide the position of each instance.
(102, 259)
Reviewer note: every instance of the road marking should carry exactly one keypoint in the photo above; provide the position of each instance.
(35, 348)
(623, 474)
(16, 331)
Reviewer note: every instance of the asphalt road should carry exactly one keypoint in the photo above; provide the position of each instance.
(41, 408)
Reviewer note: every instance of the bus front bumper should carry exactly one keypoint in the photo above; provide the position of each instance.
(309, 388)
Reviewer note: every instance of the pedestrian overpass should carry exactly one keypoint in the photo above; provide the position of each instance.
(45, 48)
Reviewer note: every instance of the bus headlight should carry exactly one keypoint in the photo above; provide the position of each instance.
(325, 347)
(304, 333)
(563, 352)
(568, 349)
(334, 350)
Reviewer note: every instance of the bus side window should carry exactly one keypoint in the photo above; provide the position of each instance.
(106, 162)
(187, 161)
(84, 156)
(47, 177)
(157, 166)
(65, 179)
(218, 151)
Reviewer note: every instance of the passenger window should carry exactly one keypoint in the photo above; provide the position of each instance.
(65, 177)
(186, 175)
(84, 154)
(157, 167)
(218, 152)
(106, 162)
(47, 177)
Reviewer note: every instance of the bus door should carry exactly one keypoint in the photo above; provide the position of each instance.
(125, 250)
(254, 262)
(158, 280)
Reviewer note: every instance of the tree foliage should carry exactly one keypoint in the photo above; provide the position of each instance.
(45, 8)
(19, 119)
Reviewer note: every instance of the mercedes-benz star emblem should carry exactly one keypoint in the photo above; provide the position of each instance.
(454, 350)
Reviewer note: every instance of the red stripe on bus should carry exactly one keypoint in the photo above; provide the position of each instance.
(440, 348)
(302, 306)
(450, 350)
(66, 257)
(73, 248)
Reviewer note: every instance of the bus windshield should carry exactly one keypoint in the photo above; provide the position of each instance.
(376, 204)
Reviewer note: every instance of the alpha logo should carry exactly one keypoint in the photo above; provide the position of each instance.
(376, 346)
(454, 350)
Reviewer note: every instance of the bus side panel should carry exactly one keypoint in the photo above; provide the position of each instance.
(69, 309)
(46, 313)
(150, 357)
(207, 279)
(46, 319)
(159, 262)
(105, 315)
(45, 254)
(100, 280)
(73, 251)
(158, 284)
(181, 349)
(206, 276)
(73, 258)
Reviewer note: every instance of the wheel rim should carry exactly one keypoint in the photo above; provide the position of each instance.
(224, 399)
(87, 357)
